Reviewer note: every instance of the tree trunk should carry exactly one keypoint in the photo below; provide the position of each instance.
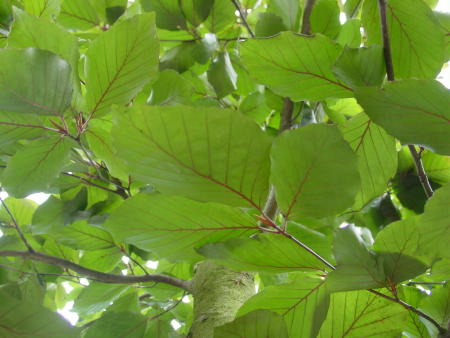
(218, 293)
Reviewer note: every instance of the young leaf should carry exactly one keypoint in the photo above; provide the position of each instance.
(172, 226)
(256, 324)
(295, 66)
(414, 111)
(303, 303)
(351, 66)
(314, 172)
(362, 314)
(377, 156)
(120, 62)
(34, 167)
(28, 319)
(34, 81)
(251, 254)
(416, 41)
(434, 225)
(207, 154)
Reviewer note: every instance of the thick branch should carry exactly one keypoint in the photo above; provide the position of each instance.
(391, 77)
(243, 17)
(97, 275)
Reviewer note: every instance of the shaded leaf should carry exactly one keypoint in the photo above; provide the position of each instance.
(50, 75)
(119, 324)
(295, 66)
(120, 62)
(222, 75)
(173, 226)
(269, 24)
(34, 167)
(207, 154)
(314, 172)
(221, 16)
(256, 324)
(170, 89)
(169, 13)
(289, 11)
(325, 18)
(414, 111)
(196, 11)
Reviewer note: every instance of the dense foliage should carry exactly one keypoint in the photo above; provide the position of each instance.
(266, 137)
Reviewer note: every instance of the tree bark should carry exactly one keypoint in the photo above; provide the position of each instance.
(218, 293)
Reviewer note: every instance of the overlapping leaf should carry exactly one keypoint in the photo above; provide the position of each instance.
(295, 66)
(314, 172)
(129, 324)
(362, 314)
(434, 225)
(42, 8)
(416, 40)
(120, 62)
(302, 303)
(377, 156)
(34, 81)
(267, 252)
(206, 154)
(34, 167)
(414, 111)
(78, 14)
(172, 226)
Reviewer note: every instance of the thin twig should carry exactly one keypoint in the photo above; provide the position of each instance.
(243, 17)
(423, 178)
(170, 308)
(16, 225)
(100, 276)
(391, 77)
(86, 181)
(306, 22)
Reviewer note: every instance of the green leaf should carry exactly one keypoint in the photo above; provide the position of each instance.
(314, 172)
(268, 24)
(100, 142)
(351, 8)
(22, 209)
(120, 62)
(221, 16)
(434, 225)
(179, 58)
(222, 75)
(170, 89)
(350, 34)
(295, 66)
(34, 81)
(97, 296)
(104, 260)
(325, 18)
(256, 324)
(351, 66)
(196, 11)
(28, 31)
(251, 254)
(401, 236)
(302, 303)
(255, 106)
(444, 20)
(414, 111)
(42, 8)
(11, 131)
(174, 226)
(289, 11)
(377, 156)
(437, 167)
(362, 314)
(207, 154)
(34, 167)
(82, 236)
(416, 41)
(438, 307)
(169, 13)
(119, 324)
(78, 14)
(27, 319)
